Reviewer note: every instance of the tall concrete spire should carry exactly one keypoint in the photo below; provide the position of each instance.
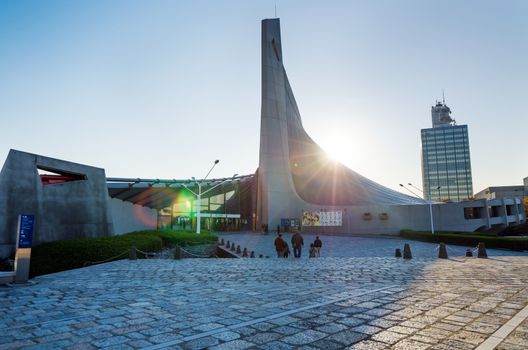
(294, 172)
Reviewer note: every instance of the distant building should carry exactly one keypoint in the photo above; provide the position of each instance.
(446, 164)
(498, 192)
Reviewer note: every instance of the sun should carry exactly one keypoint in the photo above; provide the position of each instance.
(339, 145)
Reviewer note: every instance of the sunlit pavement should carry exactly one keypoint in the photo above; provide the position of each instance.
(327, 303)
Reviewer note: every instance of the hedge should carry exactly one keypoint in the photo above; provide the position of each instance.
(172, 238)
(468, 239)
(70, 254)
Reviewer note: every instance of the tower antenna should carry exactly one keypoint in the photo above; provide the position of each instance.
(443, 97)
(275, 10)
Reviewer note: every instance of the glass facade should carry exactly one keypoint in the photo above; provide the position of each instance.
(446, 165)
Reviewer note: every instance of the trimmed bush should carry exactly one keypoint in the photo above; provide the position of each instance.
(468, 239)
(172, 238)
(71, 254)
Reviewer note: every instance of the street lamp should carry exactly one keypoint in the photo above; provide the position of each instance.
(200, 194)
(425, 201)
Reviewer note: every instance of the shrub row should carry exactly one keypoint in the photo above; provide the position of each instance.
(172, 238)
(70, 254)
(468, 239)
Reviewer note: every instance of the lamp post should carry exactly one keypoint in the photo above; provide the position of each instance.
(425, 201)
(200, 194)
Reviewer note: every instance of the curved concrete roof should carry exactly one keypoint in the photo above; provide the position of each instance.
(288, 151)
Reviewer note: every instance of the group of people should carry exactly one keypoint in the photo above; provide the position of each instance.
(297, 242)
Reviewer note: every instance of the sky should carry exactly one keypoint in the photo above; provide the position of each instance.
(160, 89)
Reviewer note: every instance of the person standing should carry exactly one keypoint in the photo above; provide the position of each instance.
(280, 246)
(317, 246)
(297, 244)
(312, 251)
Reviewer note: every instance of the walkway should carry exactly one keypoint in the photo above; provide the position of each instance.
(327, 303)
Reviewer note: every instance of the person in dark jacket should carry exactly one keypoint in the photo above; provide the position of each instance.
(280, 246)
(297, 244)
(317, 245)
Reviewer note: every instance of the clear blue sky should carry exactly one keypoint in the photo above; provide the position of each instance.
(160, 89)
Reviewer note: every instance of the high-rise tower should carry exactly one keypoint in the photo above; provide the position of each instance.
(446, 164)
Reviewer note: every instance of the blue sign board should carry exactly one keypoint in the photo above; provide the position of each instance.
(25, 231)
(290, 222)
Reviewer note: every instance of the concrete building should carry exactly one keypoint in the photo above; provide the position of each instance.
(69, 200)
(498, 192)
(505, 192)
(446, 163)
(298, 181)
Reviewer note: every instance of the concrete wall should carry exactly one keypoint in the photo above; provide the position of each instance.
(62, 211)
(446, 217)
(128, 217)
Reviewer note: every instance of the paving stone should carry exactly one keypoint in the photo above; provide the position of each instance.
(238, 344)
(368, 345)
(116, 340)
(326, 344)
(263, 326)
(164, 337)
(351, 321)
(367, 329)
(304, 337)
(330, 328)
(469, 337)
(407, 344)
(347, 337)
(81, 346)
(388, 337)
(263, 337)
(200, 343)
(140, 344)
(403, 330)
(282, 321)
(382, 323)
(378, 312)
(208, 327)
(226, 336)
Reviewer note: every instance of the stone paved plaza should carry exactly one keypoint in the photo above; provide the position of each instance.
(326, 303)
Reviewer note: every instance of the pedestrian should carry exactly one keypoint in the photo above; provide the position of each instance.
(278, 229)
(312, 251)
(280, 246)
(286, 250)
(317, 245)
(297, 244)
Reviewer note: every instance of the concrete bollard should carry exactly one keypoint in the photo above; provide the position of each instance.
(245, 253)
(407, 251)
(177, 253)
(397, 253)
(442, 251)
(469, 252)
(238, 251)
(228, 245)
(252, 255)
(482, 251)
(132, 253)
(222, 242)
(261, 256)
